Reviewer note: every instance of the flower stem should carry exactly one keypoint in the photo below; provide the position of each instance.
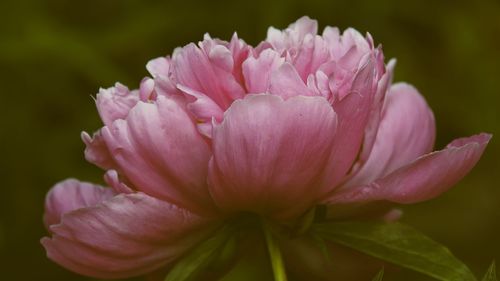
(274, 253)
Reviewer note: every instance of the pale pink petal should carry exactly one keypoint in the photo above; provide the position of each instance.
(407, 131)
(257, 71)
(240, 52)
(311, 55)
(269, 153)
(115, 103)
(383, 86)
(124, 236)
(147, 89)
(96, 151)
(160, 151)
(159, 67)
(423, 179)
(286, 83)
(112, 178)
(70, 195)
(203, 107)
(292, 36)
(210, 74)
(353, 112)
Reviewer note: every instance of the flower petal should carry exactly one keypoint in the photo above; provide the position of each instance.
(269, 153)
(407, 131)
(115, 103)
(70, 195)
(96, 151)
(286, 83)
(125, 236)
(208, 73)
(353, 112)
(160, 151)
(423, 179)
(293, 35)
(257, 71)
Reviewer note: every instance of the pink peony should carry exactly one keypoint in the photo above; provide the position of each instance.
(223, 127)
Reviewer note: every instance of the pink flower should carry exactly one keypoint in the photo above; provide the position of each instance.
(222, 127)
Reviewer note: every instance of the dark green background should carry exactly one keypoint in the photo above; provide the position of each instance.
(55, 54)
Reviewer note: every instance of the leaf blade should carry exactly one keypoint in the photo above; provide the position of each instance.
(200, 257)
(491, 274)
(398, 244)
(379, 276)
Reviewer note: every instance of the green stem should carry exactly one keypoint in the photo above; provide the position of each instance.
(274, 254)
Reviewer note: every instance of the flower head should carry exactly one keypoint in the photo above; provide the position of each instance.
(223, 127)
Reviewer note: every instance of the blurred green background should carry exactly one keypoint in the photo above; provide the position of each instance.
(55, 54)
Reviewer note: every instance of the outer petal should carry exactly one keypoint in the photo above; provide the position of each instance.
(115, 103)
(96, 151)
(125, 236)
(423, 179)
(353, 112)
(70, 195)
(161, 153)
(269, 153)
(406, 132)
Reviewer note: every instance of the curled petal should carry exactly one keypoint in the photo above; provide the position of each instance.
(311, 55)
(293, 36)
(257, 71)
(208, 71)
(124, 236)
(96, 151)
(286, 83)
(115, 103)
(268, 154)
(353, 112)
(371, 130)
(70, 195)
(423, 179)
(111, 177)
(407, 131)
(159, 67)
(160, 151)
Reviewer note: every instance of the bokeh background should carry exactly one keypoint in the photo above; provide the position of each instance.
(55, 54)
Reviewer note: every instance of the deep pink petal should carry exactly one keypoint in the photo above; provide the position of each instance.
(160, 151)
(70, 195)
(407, 131)
(425, 178)
(125, 236)
(115, 103)
(268, 154)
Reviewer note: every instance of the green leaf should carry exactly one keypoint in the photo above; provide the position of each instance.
(379, 276)
(491, 274)
(274, 253)
(321, 244)
(188, 267)
(398, 244)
